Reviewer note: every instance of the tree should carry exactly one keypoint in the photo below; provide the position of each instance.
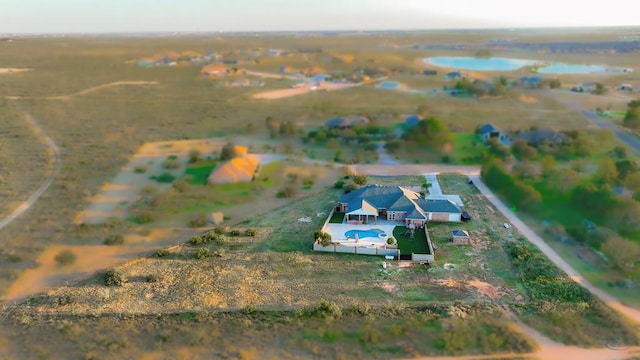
(272, 126)
(555, 83)
(287, 128)
(623, 254)
(522, 150)
(423, 111)
(496, 148)
(626, 167)
(564, 179)
(632, 120)
(632, 181)
(360, 179)
(228, 152)
(548, 163)
(607, 171)
(599, 90)
(620, 152)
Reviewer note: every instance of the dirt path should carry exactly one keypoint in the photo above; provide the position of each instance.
(57, 158)
(103, 86)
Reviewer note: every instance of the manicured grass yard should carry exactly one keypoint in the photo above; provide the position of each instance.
(417, 245)
(336, 218)
(464, 151)
(199, 172)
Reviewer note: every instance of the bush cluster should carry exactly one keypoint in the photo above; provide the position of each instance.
(114, 277)
(115, 239)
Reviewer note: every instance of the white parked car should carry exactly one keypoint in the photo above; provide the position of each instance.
(506, 226)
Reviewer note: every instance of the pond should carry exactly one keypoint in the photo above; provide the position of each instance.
(510, 64)
(479, 64)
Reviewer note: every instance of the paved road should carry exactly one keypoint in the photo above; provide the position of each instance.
(473, 172)
(47, 182)
(384, 158)
(621, 134)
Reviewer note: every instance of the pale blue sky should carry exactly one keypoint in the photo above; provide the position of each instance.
(84, 16)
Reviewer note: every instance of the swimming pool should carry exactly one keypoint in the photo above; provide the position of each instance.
(371, 233)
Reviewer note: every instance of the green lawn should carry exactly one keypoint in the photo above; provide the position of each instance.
(199, 172)
(464, 151)
(336, 218)
(417, 245)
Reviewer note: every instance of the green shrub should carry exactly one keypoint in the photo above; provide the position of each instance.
(171, 162)
(198, 220)
(308, 181)
(339, 184)
(144, 216)
(194, 156)
(250, 310)
(221, 230)
(140, 169)
(328, 309)
(251, 232)
(162, 253)
(152, 278)
(180, 186)
(323, 237)
(288, 191)
(115, 239)
(115, 277)
(65, 258)
(360, 179)
(370, 334)
(234, 232)
(164, 178)
(197, 240)
(203, 253)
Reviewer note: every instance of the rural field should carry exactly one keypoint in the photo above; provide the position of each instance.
(105, 165)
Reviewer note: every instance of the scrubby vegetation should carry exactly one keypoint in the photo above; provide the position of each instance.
(65, 258)
(558, 303)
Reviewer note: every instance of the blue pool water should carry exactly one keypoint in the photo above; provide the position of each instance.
(372, 233)
(388, 85)
(560, 68)
(509, 64)
(479, 64)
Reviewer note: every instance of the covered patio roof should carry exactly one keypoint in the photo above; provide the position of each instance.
(364, 209)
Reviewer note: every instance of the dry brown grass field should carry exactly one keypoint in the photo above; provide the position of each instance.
(101, 108)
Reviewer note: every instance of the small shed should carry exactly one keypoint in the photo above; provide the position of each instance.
(460, 237)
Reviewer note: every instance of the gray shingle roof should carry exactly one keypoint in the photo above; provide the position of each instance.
(439, 206)
(397, 198)
(460, 233)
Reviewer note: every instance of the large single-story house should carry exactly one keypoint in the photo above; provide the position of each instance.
(488, 131)
(540, 136)
(371, 203)
(347, 122)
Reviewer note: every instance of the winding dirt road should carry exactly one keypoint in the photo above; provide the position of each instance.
(39, 131)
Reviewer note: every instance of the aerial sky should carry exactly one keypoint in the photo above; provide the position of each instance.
(124, 16)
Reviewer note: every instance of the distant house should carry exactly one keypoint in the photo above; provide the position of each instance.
(540, 136)
(626, 87)
(530, 81)
(370, 203)
(214, 70)
(147, 62)
(587, 87)
(429, 72)
(488, 131)
(453, 75)
(460, 237)
(240, 169)
(347, 122)
(411, 121)
(318, 78)
(230, 61)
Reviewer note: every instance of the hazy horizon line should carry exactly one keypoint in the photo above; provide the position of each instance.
(362, 31)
